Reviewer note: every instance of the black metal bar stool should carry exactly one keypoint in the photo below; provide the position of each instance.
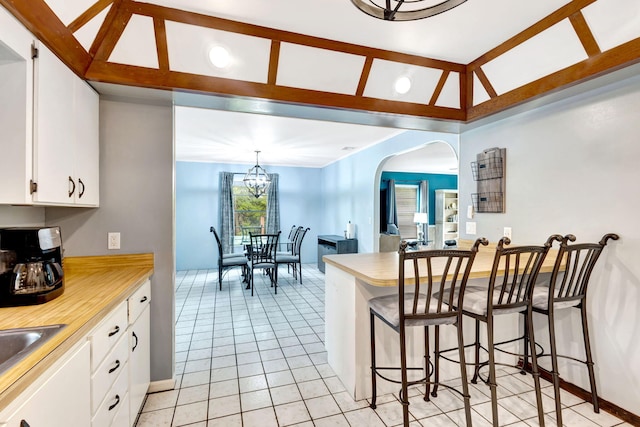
(513, 274)
(568, 289)
(445, 272)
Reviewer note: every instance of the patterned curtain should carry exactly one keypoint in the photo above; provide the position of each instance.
(273, 205)
(392, 211)
(424, 205)
(226, 211)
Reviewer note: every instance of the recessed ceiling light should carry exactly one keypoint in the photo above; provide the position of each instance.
(403, 84)
(219, 56)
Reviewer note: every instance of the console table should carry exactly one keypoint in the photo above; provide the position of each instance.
(334, 244)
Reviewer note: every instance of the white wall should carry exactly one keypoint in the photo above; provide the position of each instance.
(573, 167)
(136, 199)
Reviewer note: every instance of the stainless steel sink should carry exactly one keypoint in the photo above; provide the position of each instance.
(16, 344)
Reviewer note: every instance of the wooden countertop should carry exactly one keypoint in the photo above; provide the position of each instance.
(93, 287)
(381, 269)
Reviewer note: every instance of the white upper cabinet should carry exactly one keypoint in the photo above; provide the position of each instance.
(65, 140)
(16, 106)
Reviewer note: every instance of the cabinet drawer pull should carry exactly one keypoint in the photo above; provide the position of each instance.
(136, 344)
(81, 184)
(115, 331)
(143, 299)
(117, 365)
(115, 404)
(72, 188)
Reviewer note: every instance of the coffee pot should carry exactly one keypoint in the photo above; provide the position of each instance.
(30, 265)
(35, 277)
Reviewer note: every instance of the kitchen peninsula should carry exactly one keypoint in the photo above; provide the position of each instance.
(351, 280)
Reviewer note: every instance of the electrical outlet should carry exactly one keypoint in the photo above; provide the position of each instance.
(113, 241)
(507, 232)
(471, 228)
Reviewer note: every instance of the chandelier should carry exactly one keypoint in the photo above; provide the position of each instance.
(257, 180)
(405, 10)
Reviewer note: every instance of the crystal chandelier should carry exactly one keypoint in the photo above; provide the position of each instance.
(405, 10)
(257, 180)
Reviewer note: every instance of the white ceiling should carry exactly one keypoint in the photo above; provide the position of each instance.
(229, 137)
(460, 35)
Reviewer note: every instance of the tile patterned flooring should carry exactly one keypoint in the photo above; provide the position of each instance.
(260, 361)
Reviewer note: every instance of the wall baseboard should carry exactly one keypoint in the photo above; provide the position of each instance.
(163, 385)
(583, 394)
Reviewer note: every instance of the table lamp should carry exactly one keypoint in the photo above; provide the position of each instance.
(420, 218)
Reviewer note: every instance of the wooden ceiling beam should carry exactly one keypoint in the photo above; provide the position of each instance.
(40, 20)
(563, 13)
(89, 14)
(614, 59)
(274, 59)
(584, 34)
(161, 43)
(111, 31)
(170, 80)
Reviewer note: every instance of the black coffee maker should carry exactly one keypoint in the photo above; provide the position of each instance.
(30, 265)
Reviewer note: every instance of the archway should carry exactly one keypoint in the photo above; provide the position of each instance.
(434, 158)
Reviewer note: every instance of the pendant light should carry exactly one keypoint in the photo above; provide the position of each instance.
(257, 180)
(405, 10)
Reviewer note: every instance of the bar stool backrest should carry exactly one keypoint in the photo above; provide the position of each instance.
(573, 268)
(439, 278)
(513, 275)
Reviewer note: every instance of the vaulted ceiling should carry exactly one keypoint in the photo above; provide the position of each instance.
(477, 59)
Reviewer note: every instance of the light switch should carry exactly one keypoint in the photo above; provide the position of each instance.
(113, 241)
(471, 228)
(507, 232)
(470, 212)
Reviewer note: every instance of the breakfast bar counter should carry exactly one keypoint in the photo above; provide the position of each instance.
(93, 287)
(351, 280)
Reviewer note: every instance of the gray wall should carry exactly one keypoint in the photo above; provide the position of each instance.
(572, 167)
(136, 199)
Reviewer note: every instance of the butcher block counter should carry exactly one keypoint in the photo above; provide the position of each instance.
(93, 287)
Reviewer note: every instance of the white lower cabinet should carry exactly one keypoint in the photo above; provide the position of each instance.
(59, 398)
(115, 402)
(139, 348)
(139, 369)
(120, 361)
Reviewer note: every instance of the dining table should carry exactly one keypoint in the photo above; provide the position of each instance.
(351, 280)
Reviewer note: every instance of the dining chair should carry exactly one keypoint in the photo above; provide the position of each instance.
(293, 233)
(262, 255)
(567, 288)
(508, 291)
(424, 277)
(294, 258)
(228, 261)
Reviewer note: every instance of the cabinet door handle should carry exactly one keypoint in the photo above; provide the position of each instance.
(81, 184)
(23, 423)
(115, 331)
(72, 187)
(117, 365)
(143, 299)
(115, 404)
(136, 344)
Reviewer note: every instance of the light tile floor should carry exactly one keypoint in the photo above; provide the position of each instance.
(260, 361)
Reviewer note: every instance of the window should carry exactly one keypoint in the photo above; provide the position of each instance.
(249, 213)
(407, 205)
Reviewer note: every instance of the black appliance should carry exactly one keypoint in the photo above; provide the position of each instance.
(30, 265)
